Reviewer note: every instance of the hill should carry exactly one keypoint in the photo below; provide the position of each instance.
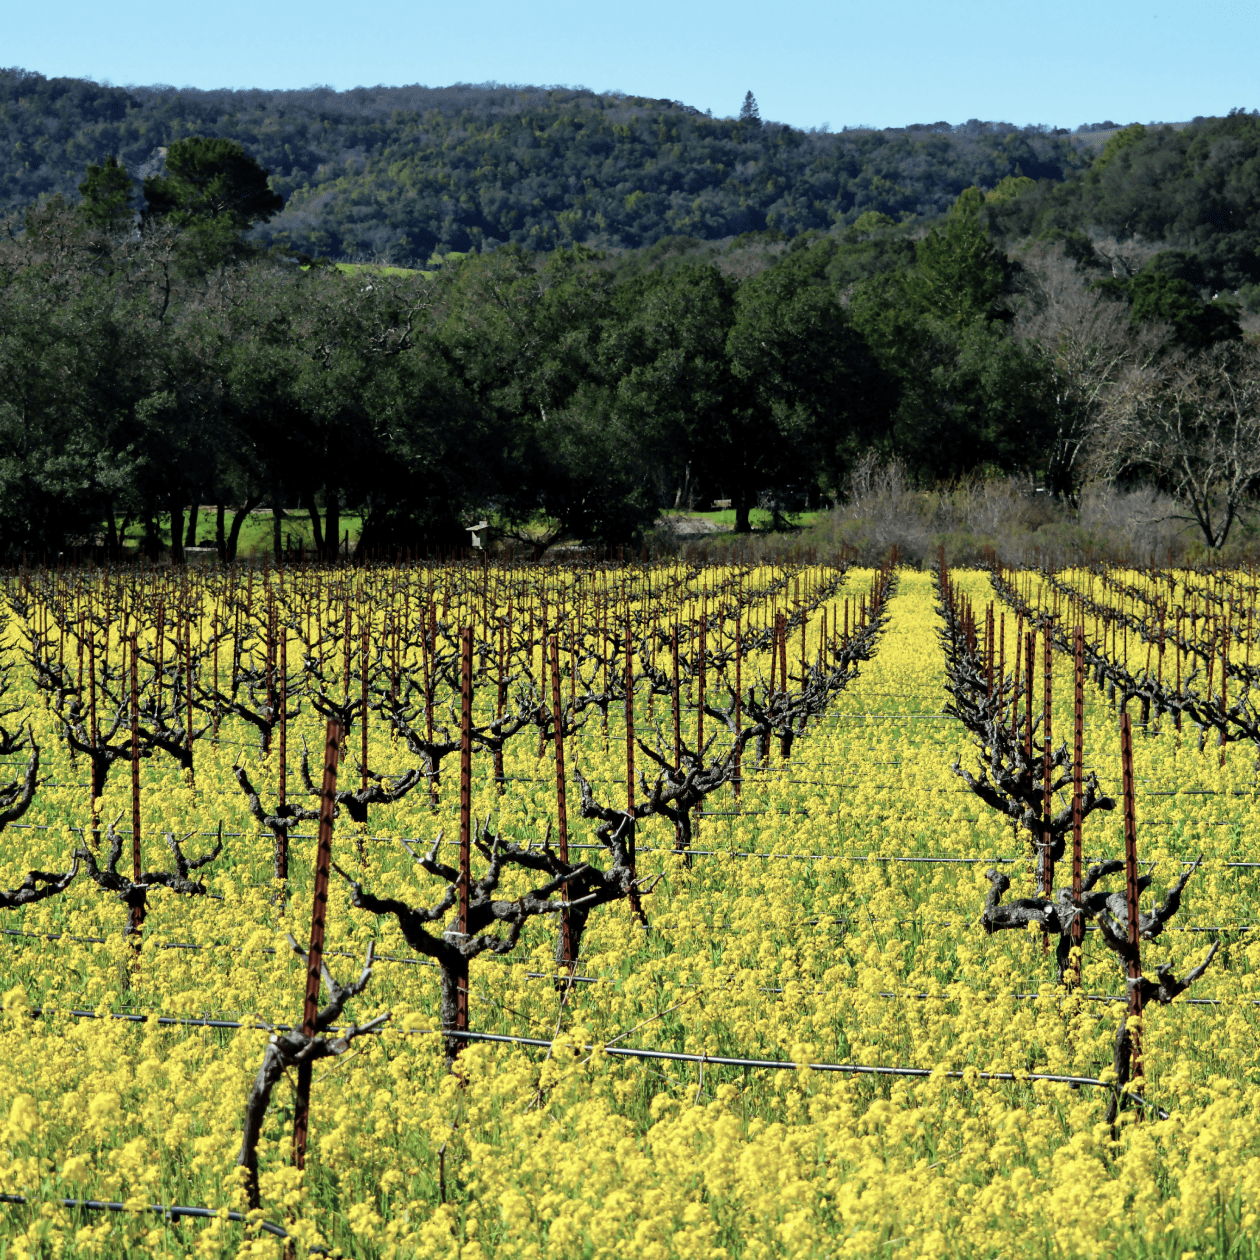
(402, 173)
(1179, 201)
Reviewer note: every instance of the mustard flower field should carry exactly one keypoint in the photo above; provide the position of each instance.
(820, 910)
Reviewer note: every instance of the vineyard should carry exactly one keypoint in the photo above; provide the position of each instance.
(480, 909)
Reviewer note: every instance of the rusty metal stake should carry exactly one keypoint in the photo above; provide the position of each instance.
(315, 952)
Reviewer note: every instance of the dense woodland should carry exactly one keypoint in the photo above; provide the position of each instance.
(402, 173)
(162, 347)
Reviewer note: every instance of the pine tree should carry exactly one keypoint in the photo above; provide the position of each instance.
(749, 111)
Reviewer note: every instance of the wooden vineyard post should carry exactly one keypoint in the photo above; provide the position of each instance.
(1078, 776)
(774, 653)
(1019, 641)
(500, 702)
(1224, 684)
(465, 825)
(630, 736)
(783, 637)
(271, 667)
(677, 702)
(1030, 656)
(137, 910)
(428, 646)
(365, 629)
(282, 775)
(562, 811)
(315, 951)
(804, 628)
(1177, 645)
(739, 702)
(785, 746)
(94, 732)
(1001, 665)
(700, 704)
(1131, 898)
(635, 903)
(1047, 768)
(188, 698)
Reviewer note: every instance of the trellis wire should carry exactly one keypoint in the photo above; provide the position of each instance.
(848, 1069)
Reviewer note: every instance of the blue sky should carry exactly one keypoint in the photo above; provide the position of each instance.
(809, 63)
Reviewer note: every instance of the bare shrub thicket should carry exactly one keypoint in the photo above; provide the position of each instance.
(1155, 454)
(884, 509)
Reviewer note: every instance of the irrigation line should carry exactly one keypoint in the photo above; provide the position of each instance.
(848, 1069)
(628, 1052)
(171, 1213)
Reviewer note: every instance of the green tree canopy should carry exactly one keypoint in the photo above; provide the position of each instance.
(107, 191)
(212, 190)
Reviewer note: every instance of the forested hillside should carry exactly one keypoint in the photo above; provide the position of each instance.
(401, 173)
(973, 300)
(1178, 202)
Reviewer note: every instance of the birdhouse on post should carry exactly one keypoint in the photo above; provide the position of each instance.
(480, 533)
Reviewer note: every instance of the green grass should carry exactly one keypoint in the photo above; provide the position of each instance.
(256, 536)
(757, 517)
(353, 269)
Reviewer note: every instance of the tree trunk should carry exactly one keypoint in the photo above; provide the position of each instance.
(177, 530)
(220, 541)
(454, 976)
(742, 506)
(113, 547)
(277, 522)
(332, 522)
(317, 530)
(152, 541)
(194, 523)
(270, 1071)
(238, 519)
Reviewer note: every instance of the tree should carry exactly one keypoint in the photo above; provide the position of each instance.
(1192, 426)
(808, 392)
(76, 357)
(667, 352)
(107, 191)
(1088, 342)
(970, 395)
(213, 190)
(748, 111)
(526, 338)
(338, 399)
(1156, 296)
(959, 276)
